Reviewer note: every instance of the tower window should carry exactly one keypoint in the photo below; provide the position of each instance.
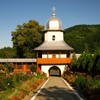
(53, 37)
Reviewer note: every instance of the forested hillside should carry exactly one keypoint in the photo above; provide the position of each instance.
(7, 52)
(83, 37)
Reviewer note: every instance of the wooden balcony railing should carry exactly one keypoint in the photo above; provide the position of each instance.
(53, 60)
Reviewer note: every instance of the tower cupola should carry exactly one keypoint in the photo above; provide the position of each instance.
(54, 23)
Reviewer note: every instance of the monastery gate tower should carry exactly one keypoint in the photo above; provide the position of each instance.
(53, 54)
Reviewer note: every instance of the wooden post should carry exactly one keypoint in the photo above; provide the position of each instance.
(37, 55)
(16, 67)
(0, 64)
(59, 54)
(24, 67)
(47, 54)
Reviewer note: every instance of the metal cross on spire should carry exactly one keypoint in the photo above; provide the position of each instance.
(53, 11)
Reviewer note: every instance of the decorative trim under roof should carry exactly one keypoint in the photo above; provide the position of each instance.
(53, 30)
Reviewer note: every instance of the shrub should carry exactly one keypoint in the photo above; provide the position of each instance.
(33, 68)
(5, 82)
(8, 80)
(3, 85)
(80, 82)
(39, 75)
(92, 83)
(95, 83)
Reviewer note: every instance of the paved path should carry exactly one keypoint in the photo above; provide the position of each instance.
(56, 89)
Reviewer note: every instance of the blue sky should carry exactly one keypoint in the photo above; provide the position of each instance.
(70, 12)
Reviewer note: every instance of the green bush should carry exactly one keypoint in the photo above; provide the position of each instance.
(89, 82)
(33, 68)
(92, 83)
(39, 75)
(3, 85)
(6, 83)
(95, 83)
(80, 82)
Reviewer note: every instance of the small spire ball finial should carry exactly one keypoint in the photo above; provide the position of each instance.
(53, 11)
(54, 23)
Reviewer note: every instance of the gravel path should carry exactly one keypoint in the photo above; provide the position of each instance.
(56, 89)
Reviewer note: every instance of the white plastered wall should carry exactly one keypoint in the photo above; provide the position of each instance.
(58, 36)
(45, 68)
(57, 55)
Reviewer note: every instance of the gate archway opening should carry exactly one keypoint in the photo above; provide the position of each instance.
(54, 71)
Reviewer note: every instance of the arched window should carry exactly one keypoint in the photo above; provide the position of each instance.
(53, 37)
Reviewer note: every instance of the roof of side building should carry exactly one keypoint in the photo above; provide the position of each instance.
(17, 60)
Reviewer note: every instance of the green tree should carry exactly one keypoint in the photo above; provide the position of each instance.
(73, 64)
(84, 62)
(7, 52)
(90, 64)
(26, 38)
(96, 64)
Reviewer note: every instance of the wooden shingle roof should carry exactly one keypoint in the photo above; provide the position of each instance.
(54, 45)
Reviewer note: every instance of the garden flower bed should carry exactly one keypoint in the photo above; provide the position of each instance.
(17, 85)
(88, 86)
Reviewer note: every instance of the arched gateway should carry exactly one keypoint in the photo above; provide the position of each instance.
(53, 51)
(54, 71)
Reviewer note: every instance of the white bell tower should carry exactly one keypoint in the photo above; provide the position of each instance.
(53, 52)
(53, 30)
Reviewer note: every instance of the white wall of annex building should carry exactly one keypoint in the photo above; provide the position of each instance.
(57, 55)
(45, 68)
(58, 36)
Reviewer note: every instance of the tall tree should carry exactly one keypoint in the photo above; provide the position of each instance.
(96, 64)
(26, 38)
(84, 61)
(73, 64)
